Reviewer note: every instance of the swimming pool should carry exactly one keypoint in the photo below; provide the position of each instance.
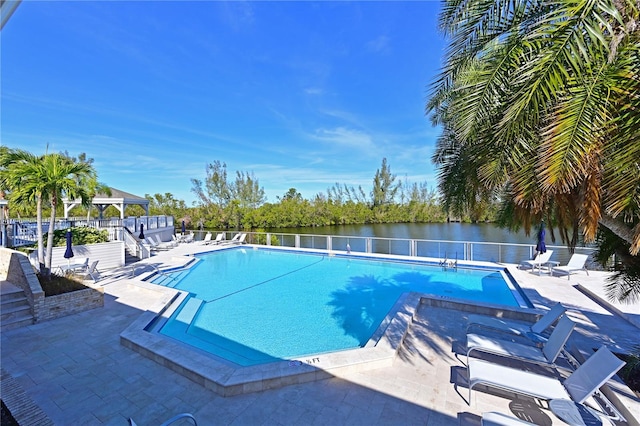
(253, 306)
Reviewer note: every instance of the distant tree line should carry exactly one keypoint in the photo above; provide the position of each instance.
(240, 203)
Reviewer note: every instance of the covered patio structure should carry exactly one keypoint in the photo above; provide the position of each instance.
(119, 199)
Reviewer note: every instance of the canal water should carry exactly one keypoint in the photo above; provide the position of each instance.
(480, 232)
(478, 241)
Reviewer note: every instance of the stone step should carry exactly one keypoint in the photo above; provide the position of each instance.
(7, 304)
(10, 293)
(15, 312)
(17, 322)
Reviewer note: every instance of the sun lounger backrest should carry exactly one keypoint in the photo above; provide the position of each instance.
(544, 257)
(577, 261)
(558, 338)
(595, 372)
(549, 318)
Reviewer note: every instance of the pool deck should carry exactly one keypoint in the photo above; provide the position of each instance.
(75, 370)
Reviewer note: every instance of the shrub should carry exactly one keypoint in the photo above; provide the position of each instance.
(79, 236)
(262, 238)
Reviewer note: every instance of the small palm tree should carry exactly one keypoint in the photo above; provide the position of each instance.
(64, 177)
(45, 179)
(21, 174)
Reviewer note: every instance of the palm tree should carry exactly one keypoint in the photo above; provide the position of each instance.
(45, 179)
(539, 104)
(64, 177)
(22, 175)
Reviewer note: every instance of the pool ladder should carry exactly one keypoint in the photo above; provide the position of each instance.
(449, 264)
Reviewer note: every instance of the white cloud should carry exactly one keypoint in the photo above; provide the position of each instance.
(380, 44)
(315, 91)
(343, 136)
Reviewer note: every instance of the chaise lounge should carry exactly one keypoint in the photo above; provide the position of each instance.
(539, 261)
(576, 263)
(545, 356)
(532, 331)
(578, 387)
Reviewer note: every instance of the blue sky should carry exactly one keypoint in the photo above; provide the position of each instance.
(302, 94)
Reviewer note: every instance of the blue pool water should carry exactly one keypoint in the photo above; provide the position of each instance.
(252, 306)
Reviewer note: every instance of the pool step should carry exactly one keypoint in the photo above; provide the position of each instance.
(189, 311)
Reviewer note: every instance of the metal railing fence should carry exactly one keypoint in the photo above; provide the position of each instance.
(513, 253)
(24, 232)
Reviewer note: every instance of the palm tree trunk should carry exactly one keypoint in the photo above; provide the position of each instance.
(52, 224)
(621, 230)
(39, 231)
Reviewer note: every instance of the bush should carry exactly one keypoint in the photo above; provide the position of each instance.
(79, 236)
(262, 239)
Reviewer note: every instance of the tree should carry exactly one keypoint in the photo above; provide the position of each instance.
(539, 106)
(227, 202)
(22, 176)
(45, 179)
(64, 177)
(247, 191)
(384, 186)
(166, 204)
(291, 194)
(216, 187)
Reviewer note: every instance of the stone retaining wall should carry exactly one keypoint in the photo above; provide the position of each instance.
(65, 304)
(16, 269)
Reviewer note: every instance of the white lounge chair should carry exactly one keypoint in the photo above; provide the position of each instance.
(169, 244)
(154, 245)
(539, 261)
(70, 268)
(545, 356)
(89, 271)
(576, 263)
(218, 239)
(237, 239)
(207, 238)
(579, 386)
(493, 418)
(532, 331)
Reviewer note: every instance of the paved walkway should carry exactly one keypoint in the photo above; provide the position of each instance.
(77, 372)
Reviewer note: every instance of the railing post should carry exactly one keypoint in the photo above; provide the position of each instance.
(297, 243)
(329, 243)
(369, 246)
(412, 248)
(268, 239)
